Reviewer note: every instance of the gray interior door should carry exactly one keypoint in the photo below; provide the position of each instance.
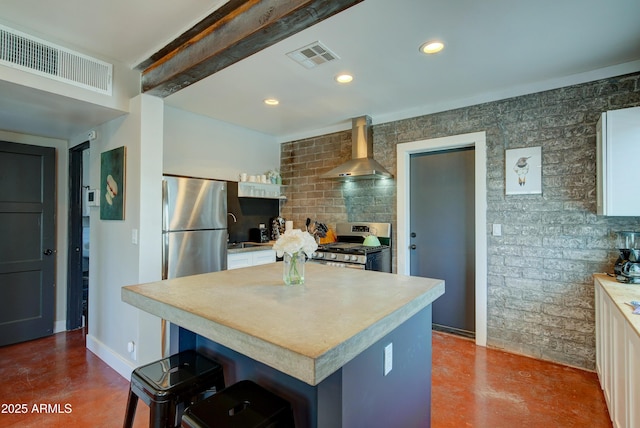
(442, 232)
(77, 260)
(27, 228)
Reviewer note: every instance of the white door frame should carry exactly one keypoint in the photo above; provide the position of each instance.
(404, 152)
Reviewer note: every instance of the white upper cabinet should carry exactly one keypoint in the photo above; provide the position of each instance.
(618, 162)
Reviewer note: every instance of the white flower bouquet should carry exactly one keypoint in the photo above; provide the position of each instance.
(292, 245)
(293, 241)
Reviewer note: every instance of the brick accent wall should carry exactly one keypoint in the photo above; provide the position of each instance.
(540, 289)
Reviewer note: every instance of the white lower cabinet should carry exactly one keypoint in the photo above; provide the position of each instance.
(633, 378)
(263, 257)
(617, 408)
(603, 343)
(617, 361)
(250, 258)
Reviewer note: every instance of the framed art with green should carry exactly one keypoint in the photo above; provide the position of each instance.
(112, 183)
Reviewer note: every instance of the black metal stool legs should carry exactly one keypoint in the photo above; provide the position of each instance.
(162, 415)
(132, 404)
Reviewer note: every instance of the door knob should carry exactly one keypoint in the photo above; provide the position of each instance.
(413, 234)
(48, 252)
(413, 246)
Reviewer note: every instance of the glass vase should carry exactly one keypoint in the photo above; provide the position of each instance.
(293, 268)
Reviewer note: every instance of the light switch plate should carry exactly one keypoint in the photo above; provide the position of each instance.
(92, 198)
(497, 229)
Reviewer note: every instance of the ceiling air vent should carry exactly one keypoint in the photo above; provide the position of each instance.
(28, 53)
(312, 55)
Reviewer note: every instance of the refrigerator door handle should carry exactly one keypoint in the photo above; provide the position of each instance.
(165, 230)
(165, 255)
(165, 206)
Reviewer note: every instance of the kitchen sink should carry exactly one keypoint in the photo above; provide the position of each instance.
(241, 245)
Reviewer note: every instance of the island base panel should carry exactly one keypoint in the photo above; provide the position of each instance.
(358, 394)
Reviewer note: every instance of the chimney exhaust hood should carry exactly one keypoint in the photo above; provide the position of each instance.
(362, 165)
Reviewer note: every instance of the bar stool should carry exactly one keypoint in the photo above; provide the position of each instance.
(242, 405)
(169, 385)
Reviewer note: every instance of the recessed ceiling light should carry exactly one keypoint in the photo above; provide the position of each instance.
(271, 102)
(431, 47)
(344, 78)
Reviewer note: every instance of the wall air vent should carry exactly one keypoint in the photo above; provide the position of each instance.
(313, 55)
(28, 53)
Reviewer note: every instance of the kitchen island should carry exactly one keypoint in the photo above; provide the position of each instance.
(324, 346)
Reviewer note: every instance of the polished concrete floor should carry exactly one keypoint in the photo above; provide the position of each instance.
(479, 387)
(64, 385)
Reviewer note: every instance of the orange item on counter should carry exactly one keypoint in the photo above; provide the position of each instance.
(331, 237)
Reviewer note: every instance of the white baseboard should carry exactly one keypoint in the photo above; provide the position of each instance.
(59, 326)
(109, 356)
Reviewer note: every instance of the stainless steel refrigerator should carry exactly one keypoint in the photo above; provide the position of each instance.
(194, 226)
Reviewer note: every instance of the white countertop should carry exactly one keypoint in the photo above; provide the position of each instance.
(252, 246)
(621, 293)
(306, 331)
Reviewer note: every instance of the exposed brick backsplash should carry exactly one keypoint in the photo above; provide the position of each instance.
(540, 288)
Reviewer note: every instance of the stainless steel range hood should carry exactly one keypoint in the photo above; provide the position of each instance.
(362, 165)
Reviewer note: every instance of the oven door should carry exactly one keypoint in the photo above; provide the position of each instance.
(338, 264)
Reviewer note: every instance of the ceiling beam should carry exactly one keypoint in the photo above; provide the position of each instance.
(235, 31)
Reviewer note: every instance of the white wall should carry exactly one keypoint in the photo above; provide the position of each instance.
(115, 260)
(150, 217)
(198, 146)
(62, 204)
(186, 144)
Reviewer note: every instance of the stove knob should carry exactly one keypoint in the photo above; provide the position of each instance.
(346, 257)
(318, 255)
(354, 258)
(333, 256)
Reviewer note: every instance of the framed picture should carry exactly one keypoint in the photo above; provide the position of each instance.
(112, 184)
(523, 171)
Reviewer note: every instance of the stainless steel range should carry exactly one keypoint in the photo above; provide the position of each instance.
(350, 252)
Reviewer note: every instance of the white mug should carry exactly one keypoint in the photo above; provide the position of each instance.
(243, 176)
(263, 178)
(252, 178)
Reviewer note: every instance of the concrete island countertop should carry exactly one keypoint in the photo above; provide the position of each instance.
(307, 331)
(621, 294)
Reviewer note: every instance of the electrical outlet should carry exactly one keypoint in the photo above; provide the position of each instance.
(388, 358)
(131, 347)
(497, 229)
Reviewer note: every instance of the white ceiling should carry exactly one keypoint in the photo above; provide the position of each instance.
(494, 49)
